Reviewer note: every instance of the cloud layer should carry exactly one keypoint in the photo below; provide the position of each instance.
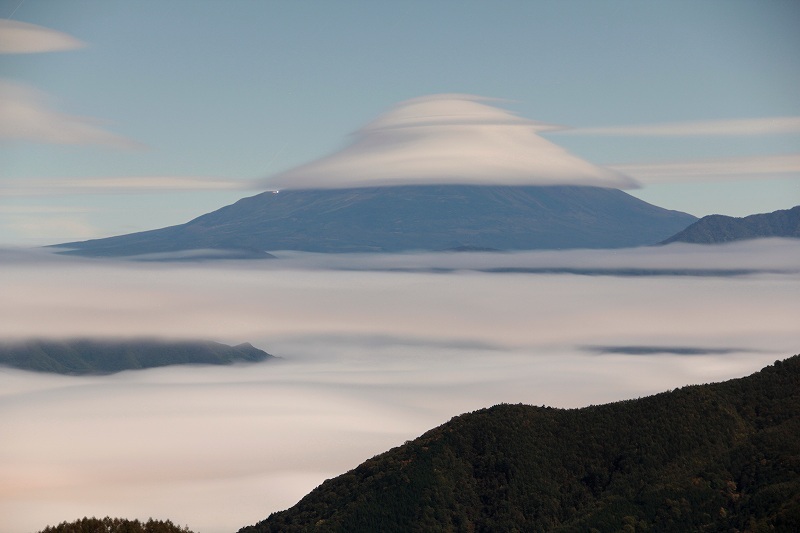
(26, 115)
(372, 357)
(116, 185)
(734, 127)
(23, 38)
(449, 138)
(720, 169)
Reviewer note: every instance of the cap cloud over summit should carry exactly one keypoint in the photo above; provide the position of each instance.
(449, 138)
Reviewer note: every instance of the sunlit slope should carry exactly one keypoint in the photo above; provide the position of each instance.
(720, 228)
(391, 219)
(721, 457)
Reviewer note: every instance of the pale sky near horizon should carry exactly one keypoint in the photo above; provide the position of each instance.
(125, 116)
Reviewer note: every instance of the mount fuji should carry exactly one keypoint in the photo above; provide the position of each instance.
(408, 218)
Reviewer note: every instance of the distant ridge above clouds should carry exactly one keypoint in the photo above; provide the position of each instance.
(107, 356)
(715, 229)
(449, 139)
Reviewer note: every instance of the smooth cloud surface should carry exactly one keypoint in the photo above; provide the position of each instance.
(371, 358)
(449, 138)
(22, 38)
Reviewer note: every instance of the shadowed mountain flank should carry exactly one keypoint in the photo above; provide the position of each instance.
(393, 219)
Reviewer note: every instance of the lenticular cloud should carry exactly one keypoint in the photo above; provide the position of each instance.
(449, 138)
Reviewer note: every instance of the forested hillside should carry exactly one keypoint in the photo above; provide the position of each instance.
(105, 356)
(115, 525)
(719, 457)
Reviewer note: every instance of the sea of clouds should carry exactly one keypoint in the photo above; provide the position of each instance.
(375, 349)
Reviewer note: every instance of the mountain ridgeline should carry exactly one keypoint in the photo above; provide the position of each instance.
(393, 219)
(714, 229)
(106, 356)
(718, 457)
(116, 525)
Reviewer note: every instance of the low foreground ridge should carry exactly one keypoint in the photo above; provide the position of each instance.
(717, 457)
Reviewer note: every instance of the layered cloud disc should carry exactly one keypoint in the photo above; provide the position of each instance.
(449, 138)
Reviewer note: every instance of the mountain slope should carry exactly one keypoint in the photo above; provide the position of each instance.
(720, 228)
(390, 219)
(97, 356)
(721, 457)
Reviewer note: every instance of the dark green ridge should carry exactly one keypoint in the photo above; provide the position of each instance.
(394, 219)
(718, 457)
(720, 228)
(115, 525)
(101, 356)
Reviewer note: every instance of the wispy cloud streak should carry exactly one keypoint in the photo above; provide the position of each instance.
(719, 169)
(23, 38)
(733, 127)
(762, 255)
(116, 185)
(26, 115)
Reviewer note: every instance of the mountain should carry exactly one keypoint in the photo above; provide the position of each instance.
(100, 356)
(392, 219)
(719, 457)
(720, 228)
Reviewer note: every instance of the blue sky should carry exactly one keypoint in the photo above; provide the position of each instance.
(155, 112)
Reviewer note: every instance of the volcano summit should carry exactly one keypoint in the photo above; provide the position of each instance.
(439, 172)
